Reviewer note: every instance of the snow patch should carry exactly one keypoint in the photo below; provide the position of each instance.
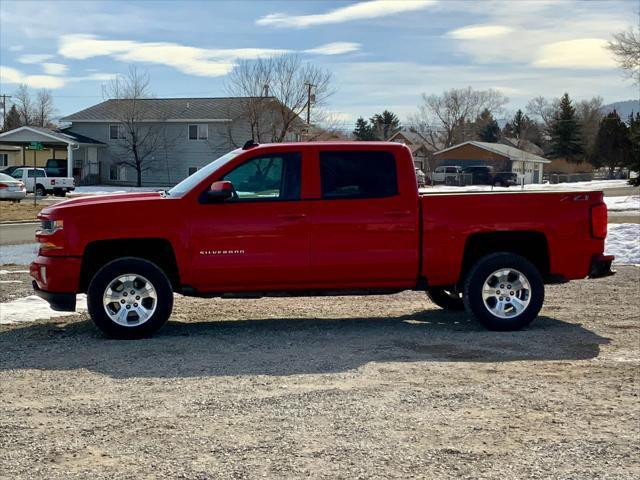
(579, 186)
(8, 272)
(32, 308)
(108, 190)
(18, 254)
(623, 241)
(623, 204)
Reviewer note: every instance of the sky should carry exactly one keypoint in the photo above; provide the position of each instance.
(383, 54)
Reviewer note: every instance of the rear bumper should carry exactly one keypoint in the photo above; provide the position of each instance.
(60, 302)
(601, 266)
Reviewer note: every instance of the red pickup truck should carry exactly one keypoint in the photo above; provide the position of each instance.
(315, 219)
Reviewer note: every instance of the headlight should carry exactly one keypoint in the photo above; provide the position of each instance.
(51, 226)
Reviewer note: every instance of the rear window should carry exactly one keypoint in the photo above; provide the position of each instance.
(358, 174)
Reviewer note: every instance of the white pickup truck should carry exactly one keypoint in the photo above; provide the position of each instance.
(44, 185)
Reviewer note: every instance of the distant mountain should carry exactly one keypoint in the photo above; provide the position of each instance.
(623, 108)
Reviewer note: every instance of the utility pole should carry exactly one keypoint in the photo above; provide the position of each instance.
(4, 109)
(309, 99)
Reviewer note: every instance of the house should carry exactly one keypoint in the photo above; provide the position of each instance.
(503, 158)
(181, 136)
(422, 151)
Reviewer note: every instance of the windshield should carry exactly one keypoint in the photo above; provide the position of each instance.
(191, 181)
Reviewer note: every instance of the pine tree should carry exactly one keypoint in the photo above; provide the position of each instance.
(565, 133)
(12, 120)
(633, 162)
(487, 128)
(385, 124)
(363, 131)
(612, 147)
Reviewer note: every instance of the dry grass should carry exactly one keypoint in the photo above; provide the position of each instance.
(24, 210)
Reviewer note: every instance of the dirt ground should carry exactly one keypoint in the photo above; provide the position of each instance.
(349, 387)
(25, 210)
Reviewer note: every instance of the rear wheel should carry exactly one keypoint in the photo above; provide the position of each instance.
(448, 299)
(504, 291)
(40, 191)
(130, 298)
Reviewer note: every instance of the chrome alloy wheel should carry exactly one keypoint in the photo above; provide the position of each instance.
(506, 293)
(130, 300)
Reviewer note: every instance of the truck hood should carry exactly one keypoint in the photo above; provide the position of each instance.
(96, 200)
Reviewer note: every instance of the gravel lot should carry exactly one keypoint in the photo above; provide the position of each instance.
(348, 387)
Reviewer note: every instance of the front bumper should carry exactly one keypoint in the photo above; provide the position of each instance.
(60, 302)
(601, 266)
(57, 280)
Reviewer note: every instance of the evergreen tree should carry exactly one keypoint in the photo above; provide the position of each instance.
(633, 161)
(363, 131)
(565, 132)
(12, 119)
(612, 146)
(487, 128)
(385, 124)
(521, 127)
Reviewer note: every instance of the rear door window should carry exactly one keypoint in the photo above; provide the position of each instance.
(358, 174)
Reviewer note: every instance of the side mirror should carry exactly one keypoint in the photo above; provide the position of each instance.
(219, 191)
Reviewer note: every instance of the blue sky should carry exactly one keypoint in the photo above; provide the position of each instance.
(383, 54)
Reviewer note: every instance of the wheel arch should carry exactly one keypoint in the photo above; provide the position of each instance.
(157, 250)
(531, 245)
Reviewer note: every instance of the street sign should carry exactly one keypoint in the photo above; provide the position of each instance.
(34, 146)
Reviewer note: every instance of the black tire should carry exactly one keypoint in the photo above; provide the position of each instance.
(482, 270)
(136, 266)
(40, 191)
(447, 299)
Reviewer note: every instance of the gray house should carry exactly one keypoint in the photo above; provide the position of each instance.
(174, 137)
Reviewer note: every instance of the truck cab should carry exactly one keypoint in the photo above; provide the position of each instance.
(311, 219)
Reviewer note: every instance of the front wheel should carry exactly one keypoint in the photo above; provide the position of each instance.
(504, 291)
(130, 298)
(447, 299)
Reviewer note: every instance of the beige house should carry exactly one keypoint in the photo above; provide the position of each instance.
(421, 150)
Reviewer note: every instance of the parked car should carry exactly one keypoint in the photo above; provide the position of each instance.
(351, 220)
(421, 178)
(9, 170)
(11, 189)
(485, 175)
(56, 168)
(441, 174)
(44, 184)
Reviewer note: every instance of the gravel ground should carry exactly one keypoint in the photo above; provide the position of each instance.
(348, 387)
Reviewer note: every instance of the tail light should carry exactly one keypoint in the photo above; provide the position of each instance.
(22, 186)
(3, 186)
(599, 221)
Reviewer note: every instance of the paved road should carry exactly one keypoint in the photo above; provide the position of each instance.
(15, 233)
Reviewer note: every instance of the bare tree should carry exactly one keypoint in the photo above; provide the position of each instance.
(274, 93)
(589, 114)
(24, 104)
(626, 47)
(448, 118)
(43, 109)
(141, 133)
(543, 110)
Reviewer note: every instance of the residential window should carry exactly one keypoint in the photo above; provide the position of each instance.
(117, 173)
(363, 174)
(116, 132)
(198, 131)
(268, 178)
(192, 170)
(4, 159)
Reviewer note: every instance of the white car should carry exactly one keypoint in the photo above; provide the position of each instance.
(440, 174)
(11, 189)
(44, 184)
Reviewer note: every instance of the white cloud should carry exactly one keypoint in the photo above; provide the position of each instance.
(10, 75)
(579, 53)
(16, 48)
(335, 48)
(54, 68)
(473, 32)
(35, 58)
(356, 11)
(202, 62)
